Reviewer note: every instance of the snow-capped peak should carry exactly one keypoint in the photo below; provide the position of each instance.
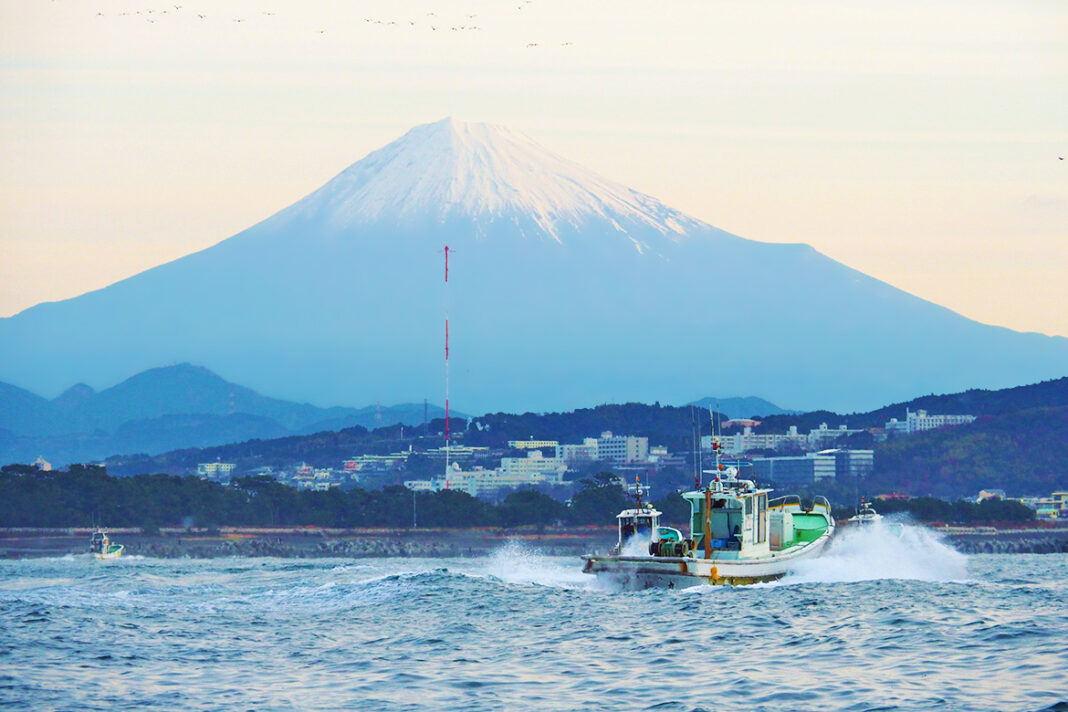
(452, 168)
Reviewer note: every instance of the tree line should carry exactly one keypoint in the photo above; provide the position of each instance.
(86, 495)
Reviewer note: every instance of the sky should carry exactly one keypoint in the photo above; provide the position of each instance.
(918, 142)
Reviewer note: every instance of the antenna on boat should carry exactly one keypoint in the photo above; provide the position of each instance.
(700, 450)
(713, 416)
(693, 436)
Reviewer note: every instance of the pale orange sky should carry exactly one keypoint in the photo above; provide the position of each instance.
(916, 142)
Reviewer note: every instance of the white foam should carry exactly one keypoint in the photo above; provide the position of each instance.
(883, 551)
(516, 562)
(637, 545)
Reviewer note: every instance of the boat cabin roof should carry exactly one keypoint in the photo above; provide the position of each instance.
(635, 513)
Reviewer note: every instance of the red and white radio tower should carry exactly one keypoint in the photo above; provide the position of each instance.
(446, 367)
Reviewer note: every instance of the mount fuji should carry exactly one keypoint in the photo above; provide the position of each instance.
(565, 289)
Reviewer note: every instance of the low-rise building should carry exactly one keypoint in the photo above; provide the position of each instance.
(920, 420)
(801, 469)
(376, 463)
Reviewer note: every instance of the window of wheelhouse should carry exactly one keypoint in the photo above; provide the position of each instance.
(748, 523)
(762, 517)
(644, 525)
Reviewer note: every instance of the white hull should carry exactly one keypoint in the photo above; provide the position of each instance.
(681, 572)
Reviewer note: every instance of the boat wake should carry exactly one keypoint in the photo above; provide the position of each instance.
(883, 551)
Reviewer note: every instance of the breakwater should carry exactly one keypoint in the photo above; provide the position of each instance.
(305, 543)
(1028, 541)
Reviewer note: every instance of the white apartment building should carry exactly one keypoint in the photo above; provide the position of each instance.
(215, 469)
(376, 463)
(532, 444)
(920, 420)
(586, 452)
(534, 469)
(747, 440)
(518, 468)
(622, 448)
(823, 435)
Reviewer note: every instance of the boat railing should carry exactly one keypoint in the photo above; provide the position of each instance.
(787, 501)
(822, 503)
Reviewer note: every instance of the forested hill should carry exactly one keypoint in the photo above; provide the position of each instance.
(1023, 452)
(979, 402)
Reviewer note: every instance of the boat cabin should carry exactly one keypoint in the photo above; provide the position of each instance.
(99, 543)
(728, 514)
(642, 522)
(732, 515)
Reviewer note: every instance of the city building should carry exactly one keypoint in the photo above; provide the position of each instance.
(586, 452)
(376, 463)
(514, 472)
(659, 457)
(457, 452)
(857, 464)
(920, 420)
(523, 468)
(747, 440)
(801, 469)
(823, 436)
(622, 448)
(215, 470)
(532, 444)
(1050, 508)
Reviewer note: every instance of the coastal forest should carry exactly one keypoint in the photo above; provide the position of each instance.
(87, 496)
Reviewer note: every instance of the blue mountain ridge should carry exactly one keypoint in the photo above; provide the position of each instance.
(164, 409)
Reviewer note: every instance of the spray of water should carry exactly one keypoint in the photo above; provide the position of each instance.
(883, 551)
(516, 562)
(637, 545)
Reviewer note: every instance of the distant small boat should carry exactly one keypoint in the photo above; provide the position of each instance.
(865, 516)
(103, 548)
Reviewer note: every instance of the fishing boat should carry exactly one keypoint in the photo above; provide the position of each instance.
(103, 548)
(737, 536)
(865, 516)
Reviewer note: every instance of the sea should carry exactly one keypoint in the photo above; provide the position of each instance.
(887, 619)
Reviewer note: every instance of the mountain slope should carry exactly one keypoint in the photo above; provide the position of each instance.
(164, 409)
(742, 407)
(565, 289)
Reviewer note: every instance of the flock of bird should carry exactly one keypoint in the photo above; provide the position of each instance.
(431, 20)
